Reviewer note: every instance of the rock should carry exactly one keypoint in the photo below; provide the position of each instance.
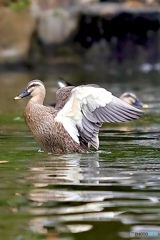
(56, 26)
(57, 20)
(38, 6)
(16, 28)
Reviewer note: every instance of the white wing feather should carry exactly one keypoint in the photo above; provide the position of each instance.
(81, 97)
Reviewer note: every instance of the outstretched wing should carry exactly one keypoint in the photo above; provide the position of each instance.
(88, 107)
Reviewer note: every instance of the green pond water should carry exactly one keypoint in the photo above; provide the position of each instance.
(110, 194)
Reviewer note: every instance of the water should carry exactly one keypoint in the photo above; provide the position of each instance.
(110, 194)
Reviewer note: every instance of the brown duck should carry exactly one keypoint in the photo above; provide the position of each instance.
(73, 125)
(132, 99)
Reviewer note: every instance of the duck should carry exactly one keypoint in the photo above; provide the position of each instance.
(72, 126)
(128, 97)
(132, 99)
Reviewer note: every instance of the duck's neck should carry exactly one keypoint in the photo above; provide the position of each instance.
(38, 99)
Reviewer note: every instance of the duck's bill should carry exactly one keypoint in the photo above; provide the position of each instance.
(25, 93)
(17, 98)
(138, 103)
(145, 106)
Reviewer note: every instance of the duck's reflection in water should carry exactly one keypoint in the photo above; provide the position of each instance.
(77, 193)
(69, 169)
(59, 201)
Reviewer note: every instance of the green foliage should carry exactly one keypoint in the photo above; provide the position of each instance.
(18, 4)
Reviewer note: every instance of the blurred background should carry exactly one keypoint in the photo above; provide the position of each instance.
(35, 33)
(113, 43)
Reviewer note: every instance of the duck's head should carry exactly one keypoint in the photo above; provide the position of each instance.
(132, 99)
(34, 88)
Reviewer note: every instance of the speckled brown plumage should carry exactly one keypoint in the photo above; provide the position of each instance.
(62, 97)
(50, 135)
